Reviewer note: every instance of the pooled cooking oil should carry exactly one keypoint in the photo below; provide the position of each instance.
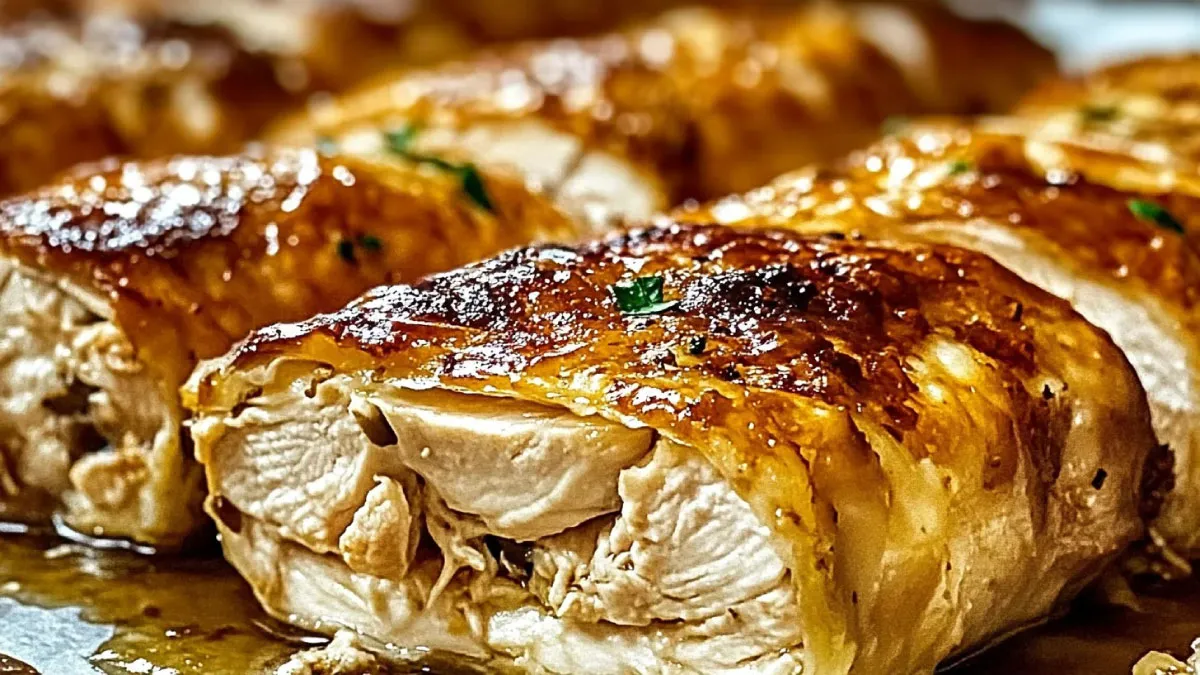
(72, 609)
(66, 609)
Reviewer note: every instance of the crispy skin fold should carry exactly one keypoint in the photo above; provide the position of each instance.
(705, 101)
(183, 257)
(1062, 214)
(941, 451)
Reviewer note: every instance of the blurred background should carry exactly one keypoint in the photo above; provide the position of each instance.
(1090, 33)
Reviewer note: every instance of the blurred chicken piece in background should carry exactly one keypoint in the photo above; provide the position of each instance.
(83, 79)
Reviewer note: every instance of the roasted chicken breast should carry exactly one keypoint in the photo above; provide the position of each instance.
(685, 449)
(1153, 103)
(84, 79)
(1100, 234)
(698, 102)
(116, 281)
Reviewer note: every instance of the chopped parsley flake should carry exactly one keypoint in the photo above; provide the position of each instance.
(472, 185)
(643, 295)
(1099, 113)
(370, 242)
(1153, 213)
(959, 166)
(697, 344)
(399, 142)
(367, 242)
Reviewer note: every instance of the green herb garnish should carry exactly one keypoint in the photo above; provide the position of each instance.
(1099, 113)
(326, 145)
(399, 142)
(367, 242)
(345, 249)
(643, 295)
(472, 185)
(1153, 213)
(959, 166)
(697, 344)
(370, 242)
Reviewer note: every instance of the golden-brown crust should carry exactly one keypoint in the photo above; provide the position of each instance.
(952, 174)
(1152, 100)
(194, 252)
(808, 344)
(829, 320)
(714, 101)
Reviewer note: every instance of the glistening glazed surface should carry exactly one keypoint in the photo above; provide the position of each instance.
(64, 610)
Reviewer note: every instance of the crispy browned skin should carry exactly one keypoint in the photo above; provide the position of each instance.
(953, 173)
(194, 252)
(1060, 213)
(1153, 102)
(711, 101)
(808, 343)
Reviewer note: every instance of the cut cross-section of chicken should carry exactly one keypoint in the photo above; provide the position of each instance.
(1099, 236)
(695, 103)
(689, 449)
(117, 280)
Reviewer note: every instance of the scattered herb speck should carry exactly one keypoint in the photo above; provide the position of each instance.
(643, 295)
(1153, 213)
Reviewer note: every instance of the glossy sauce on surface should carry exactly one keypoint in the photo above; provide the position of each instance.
(196, 616)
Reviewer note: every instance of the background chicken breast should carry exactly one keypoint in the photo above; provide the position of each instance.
(695, 103)
(788, 453)
(1042, 209)
(84, 79)
(113, 283)
(79, 89)
(1153, 102)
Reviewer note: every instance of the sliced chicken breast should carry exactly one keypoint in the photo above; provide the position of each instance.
(113, 283)
(685, 450)
(697, 102)
(1104, 240)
